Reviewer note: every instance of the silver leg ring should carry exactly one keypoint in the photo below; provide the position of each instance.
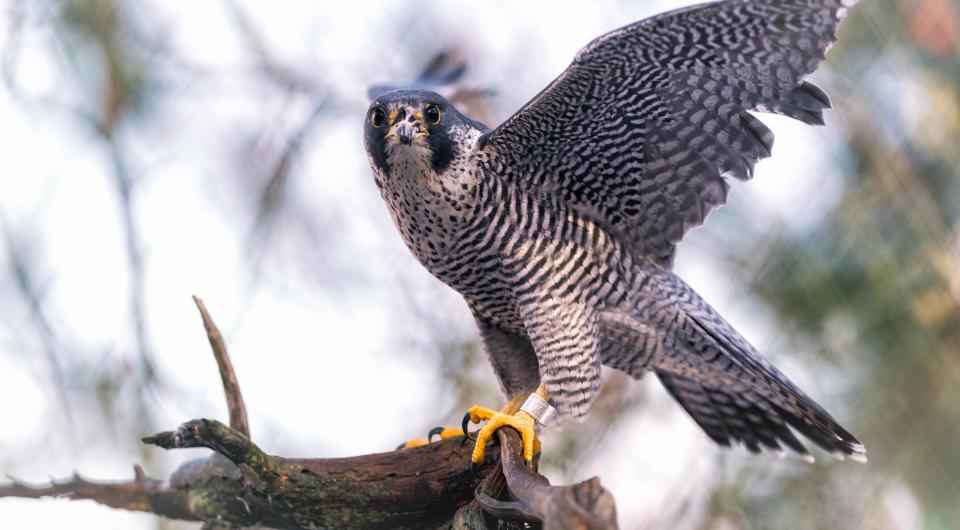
(542, 412)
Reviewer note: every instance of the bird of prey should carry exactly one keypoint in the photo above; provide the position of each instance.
(559, 226)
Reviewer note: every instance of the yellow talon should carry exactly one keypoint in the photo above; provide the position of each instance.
(416, 442)
(445, 432)
(442, 432)
(521, 421)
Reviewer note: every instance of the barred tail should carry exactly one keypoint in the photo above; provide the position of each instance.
(735, 394)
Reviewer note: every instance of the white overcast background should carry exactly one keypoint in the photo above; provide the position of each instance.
(322, 370)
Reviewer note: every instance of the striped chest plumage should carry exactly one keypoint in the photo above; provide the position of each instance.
(447, 221)
(429, 208)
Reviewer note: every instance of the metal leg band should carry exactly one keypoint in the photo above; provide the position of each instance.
(542, 412)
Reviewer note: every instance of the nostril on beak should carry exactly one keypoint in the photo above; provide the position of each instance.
(405, 134)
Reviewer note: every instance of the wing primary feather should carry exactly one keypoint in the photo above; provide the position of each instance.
(680, 85)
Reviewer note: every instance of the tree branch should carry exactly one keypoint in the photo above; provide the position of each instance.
(231, 387)
(420, 487)
(134, 495)
(583, 505)
(424, 487)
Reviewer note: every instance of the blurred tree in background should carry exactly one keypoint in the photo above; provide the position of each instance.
(162, 148)
(870, 287)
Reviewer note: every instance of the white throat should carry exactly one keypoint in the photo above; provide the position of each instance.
(410, 161)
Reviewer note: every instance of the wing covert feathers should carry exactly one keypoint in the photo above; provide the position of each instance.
(641, 129)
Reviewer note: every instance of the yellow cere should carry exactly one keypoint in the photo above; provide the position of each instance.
(420, 120)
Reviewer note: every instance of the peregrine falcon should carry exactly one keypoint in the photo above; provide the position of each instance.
(559, 226)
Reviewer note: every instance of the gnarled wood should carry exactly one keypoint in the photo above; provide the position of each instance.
(581, 506)
(424, 487)
(411, 488)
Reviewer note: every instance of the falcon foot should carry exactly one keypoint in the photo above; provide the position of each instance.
(442, 432)
(521, 421)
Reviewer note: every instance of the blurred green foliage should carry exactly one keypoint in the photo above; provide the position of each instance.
(874, 285)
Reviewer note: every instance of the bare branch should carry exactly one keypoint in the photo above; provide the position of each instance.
(231, 387)
(425, 487)
(409, 488)
(143, 494)
(125, 184)
(583, 505)
(285, 75)
(23, 276)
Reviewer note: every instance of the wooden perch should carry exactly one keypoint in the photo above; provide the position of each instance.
(583, 505)
(424, 487)
(136, 495)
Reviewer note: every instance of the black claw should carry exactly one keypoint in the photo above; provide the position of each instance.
(434, 432)
(401, 446)
(474, 470)
(466, 422)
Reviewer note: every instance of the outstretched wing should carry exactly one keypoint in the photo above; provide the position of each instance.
(638, 132)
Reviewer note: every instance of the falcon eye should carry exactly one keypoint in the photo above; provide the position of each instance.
(432, 113)
(377, 117)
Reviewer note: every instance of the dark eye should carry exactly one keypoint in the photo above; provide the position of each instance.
(377, 117)
(432, 113)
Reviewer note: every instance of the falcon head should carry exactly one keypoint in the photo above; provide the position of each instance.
(415, 129)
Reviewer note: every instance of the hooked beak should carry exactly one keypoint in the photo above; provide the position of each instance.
(405, 133)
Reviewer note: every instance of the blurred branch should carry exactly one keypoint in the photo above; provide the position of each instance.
(271, 194)
(124, 184)
(143, 494)
(16, 15)
(107, 34)
(270, 66)
(23, 279)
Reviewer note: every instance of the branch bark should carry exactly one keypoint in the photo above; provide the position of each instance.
(424, 487)
(583, 505)
(231, 387)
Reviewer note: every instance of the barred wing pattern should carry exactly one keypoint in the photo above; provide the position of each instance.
(640, 129)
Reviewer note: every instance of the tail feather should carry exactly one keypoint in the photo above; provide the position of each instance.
(727, 418)
(734, 394)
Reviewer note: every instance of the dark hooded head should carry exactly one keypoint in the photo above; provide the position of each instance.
(418, 126)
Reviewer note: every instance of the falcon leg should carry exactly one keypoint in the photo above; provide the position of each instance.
(509, 416)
